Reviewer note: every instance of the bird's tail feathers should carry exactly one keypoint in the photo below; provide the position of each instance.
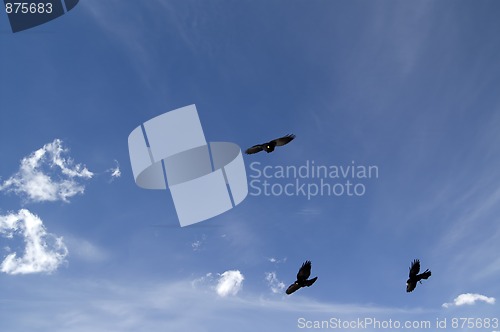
(310, 281)
(427, 273)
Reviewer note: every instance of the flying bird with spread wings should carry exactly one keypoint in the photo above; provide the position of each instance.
(269, 146)
(302, 281)
(411, 283)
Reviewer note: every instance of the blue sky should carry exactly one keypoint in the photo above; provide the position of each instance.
(409, 87)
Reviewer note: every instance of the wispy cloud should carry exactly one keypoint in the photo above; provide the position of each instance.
(138, 43)
(86, 250)
(47, 175)
(207, 278)
(276, 285)
(276, 260)
(44, 252)
(230, 283)
(492, 268)
(197, 245)
(80, 305)
(469, 299)
(115, 172)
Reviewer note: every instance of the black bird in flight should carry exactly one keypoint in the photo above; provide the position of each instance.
(411, 283)
(269, 146)
(304, 273)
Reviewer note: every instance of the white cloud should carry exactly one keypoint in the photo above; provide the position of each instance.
(115, 171)
(46, 175)
(469, 299)
(275, 260)
(230, 283)
(227, 283)
(197, 245)
(273, 282)
(44, 252)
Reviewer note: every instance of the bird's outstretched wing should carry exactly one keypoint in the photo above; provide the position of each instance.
(292, 288)
(284, 140)
(254, 149)
(426, 274)
(310, 282)
(415, 268)
(304, 272)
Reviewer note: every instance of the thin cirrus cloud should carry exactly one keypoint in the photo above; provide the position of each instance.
(47, 175)
(276, 260)
(469, 299)
(85, 250)
(43, 253)
(117, 305)
(197, 245)
(274, 284)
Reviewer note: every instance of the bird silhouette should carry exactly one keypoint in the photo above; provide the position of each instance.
(269, 146)
(302, 281)
(414, 277)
